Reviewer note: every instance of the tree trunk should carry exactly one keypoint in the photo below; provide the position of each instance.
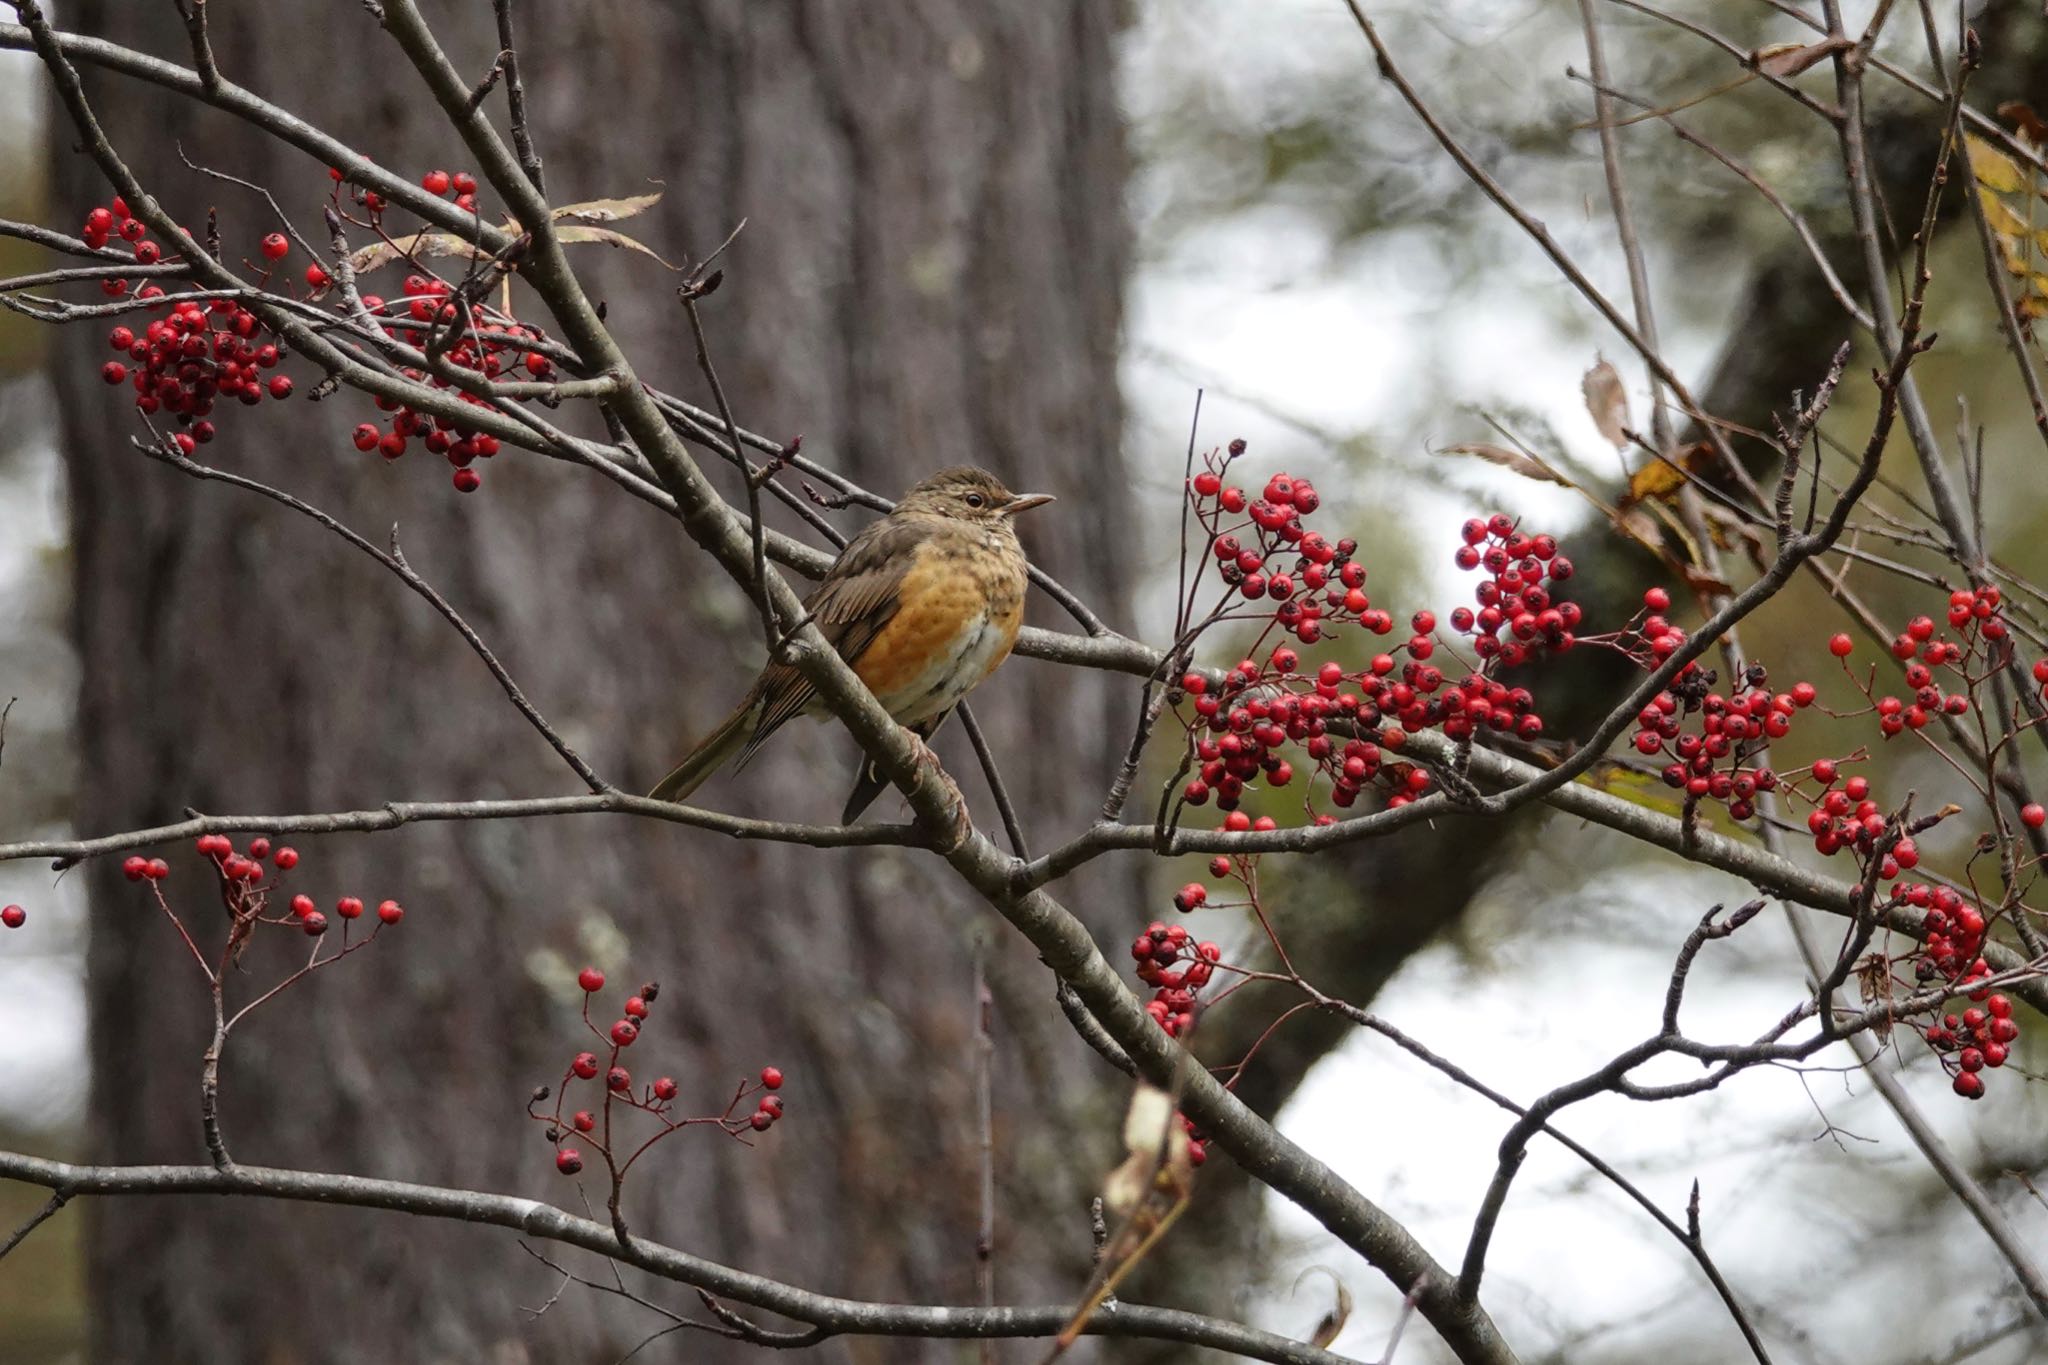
(930, 273)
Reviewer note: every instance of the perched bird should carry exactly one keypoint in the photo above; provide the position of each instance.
(923, 604)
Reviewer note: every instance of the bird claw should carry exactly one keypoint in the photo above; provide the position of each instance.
(928, 766)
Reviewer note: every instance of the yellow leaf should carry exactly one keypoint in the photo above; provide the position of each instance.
(2001, 218)
(606, 210)
(1993, 168)
(1661, 478)
(1528, 466)
(1607, 402)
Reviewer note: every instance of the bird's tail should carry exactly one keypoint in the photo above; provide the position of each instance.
(709, 756)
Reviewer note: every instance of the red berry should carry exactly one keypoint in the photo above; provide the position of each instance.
(591, 980)
(435, 182)
(391, 445)
(316, 277)
(618, 1079)
(583, 1120)
(665, 1088)
(13, 916)
(276, 246)
(1841, 646)
(2033, 815)
(114, 372)
(771, 1077)
(287, 858)
(585, 1065)
(366, 437)
(538, 365)
(1191, 896)
(349, 907)
(760, 1121)
(1657, 599)
(568, 1161)
(134, 868)
(390, 912)
(157, 870)
(468, 480)
(464, 183)
(314, 924)
(302, 905)
(636, 1008)
(624, 1032)
(280, 386)
(1969, 1085)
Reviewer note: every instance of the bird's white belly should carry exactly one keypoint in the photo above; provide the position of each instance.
(953, 672)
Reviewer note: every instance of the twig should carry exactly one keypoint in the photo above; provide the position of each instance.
(515, 97)
(35, 1220)
(394, 560)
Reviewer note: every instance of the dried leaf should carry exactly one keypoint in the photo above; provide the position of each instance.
(1151, 1129)
(1333, 1321)
(606, 210)
(1607, 401)
(573, 233)
(1662, 478)
(1786, 60)
(1703, 582)
(1637, 524)
(1528, 466)
(1994, 169)
(418, 246)
(2025, 122)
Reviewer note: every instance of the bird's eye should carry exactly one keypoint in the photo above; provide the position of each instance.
(976, 500)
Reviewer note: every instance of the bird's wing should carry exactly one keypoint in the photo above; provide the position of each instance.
(857, 597)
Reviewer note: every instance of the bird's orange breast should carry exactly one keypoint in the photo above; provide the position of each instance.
(958, 611)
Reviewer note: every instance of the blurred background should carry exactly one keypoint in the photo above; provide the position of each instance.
(1025, 235)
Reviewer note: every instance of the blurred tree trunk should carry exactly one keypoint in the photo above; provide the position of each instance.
(931, 273)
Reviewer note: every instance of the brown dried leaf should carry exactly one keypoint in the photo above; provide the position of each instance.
(1637, 524)
(1700, 581)
(1662, 478)
(2025, 122)
(1151, 1127)
(1333, 1321)
(573, 233)
(1515, 461)
(418, 246)
(1994, 169)
(1607, 401)
(1786, 60)
(606, 210)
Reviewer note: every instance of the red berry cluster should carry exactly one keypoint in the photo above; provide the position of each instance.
(594, 1129)
(1846, 817)
(1175, 966)
(1975, 1041)
(1512, 596)
(487, 343)
(195, 355)
(1955, 934)
(1972, 612)
(1712, 762)
(461, 184)
(246, 893)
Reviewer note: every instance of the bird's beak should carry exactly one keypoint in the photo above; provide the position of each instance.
(1024, 502)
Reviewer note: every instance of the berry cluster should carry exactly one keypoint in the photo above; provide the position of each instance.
(246, 893)
(592, 1126)
(1175, 966)
(1512, 596)
(195, 355)
(1975, 1041)
(1243, 725)
(1712, 762)
(1322, 586)
(1972, 612)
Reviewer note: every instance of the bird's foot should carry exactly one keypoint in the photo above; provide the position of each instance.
(929, 769)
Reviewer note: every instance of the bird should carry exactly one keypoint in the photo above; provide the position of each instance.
(923, 604)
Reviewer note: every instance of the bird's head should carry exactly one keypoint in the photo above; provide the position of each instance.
(970, 494)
